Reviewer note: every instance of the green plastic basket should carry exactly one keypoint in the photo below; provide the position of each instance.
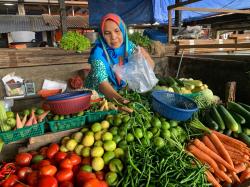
(66, 124)
(23, 133)
(192, 95)
(99, 115)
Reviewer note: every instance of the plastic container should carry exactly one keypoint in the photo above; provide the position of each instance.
(22, 36)
(22, 133)
(173, 106)
(157, 35)
(66, 124)
(192, 95)
(99, 115)
(68, 103)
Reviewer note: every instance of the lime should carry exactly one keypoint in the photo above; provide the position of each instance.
(109, 155)
(123, 144)
(56, 117)
(63, 149)
(165, 134)
(130, 137)
(119, 152)
(71, 144)
(10, 114)
(107, 136)
(117, 120)
(117, 139)
(149, 134)
(174, 132)
(173, 123)
(114, 130)
(78, 149)
(97, 151)
(86, 167)
(86, 151)
(165, 125)
(84, 129)
(159, 142)
(64, 140)
(156, 122)
(97, 163)
(39, 111)
(111, 178)
(96, 127)
(61, 117)
(88, 140)
(127, 126)
(154, 130)
(115, 165)
(91, 133)
(109, 145)
(98, 143)
(144, 141)
(81, 113)
(138, 133)
(125, 119)
(110, 119)
(98, 135)
(11, 122)
(37, 158)
(77, 136)
(122, 132)
(147, 125)
(105, 124)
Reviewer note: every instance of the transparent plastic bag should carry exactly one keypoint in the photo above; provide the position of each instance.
(137, 73)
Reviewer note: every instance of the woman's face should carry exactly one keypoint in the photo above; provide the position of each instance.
(112, 34)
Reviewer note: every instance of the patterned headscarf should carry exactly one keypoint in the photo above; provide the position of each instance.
(110, 56)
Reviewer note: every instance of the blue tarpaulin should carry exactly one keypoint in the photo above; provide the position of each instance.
(161, 13)
(131, 11)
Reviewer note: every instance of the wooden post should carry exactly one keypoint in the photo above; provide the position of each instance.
(169, 26)
(63, 16)
(177, 15)
(21, 9)
(230, 91)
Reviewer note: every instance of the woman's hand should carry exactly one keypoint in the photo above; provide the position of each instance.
(147, 57)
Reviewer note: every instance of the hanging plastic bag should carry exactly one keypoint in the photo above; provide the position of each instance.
(137, 73)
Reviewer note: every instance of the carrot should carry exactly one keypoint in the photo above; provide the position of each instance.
(41, 117)
(222, 175)
(245, 175)
(202, 156)
(212, 154)
(212, 180)
(220, 147)
(240, 167)
(232, 149)
(226, 138)
(211, 146)
(34, 120)
(24, 119)
(18, 121)
(29, 122)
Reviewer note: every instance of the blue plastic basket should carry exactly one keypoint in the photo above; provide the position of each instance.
(68, 95)
(157, 35)
(173, 106)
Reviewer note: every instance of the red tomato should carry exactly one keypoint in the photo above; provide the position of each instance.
(43, 151)
(76, 168)
(86, 161)
(32, 178)
(84, 176)
(100, 175)
(74, 158)
(23, 172)
(64, 175)
(23, 159)
(103, 184)
(33, 153)
(19, 185)
(66, 163)
(48, 170)
(92, 183)
(47, 181)
(43, 163)
(52, 150)
(66, 184)
(60, 156)
(10, 181)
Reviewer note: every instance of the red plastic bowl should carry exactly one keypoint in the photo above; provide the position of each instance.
(69, 106)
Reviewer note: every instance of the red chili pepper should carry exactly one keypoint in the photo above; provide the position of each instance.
(7, 169)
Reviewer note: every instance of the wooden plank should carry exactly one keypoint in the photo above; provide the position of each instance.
(182, 4)
(169, 26)
(240, 45)
(213, 10)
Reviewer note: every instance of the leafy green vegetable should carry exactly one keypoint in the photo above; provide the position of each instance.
(140, 40)
(75, 41)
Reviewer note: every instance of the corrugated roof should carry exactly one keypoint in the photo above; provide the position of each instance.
(72, 21)
(10, 23)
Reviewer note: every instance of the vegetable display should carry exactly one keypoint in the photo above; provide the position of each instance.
(138, 39)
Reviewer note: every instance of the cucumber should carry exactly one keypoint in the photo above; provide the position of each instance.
(170, 81)
(238, 118)
(176, 89)
(179, 82)
(247, 107)
(217, 118)
(209, 122)
(239, 109)
(196, 83)
(228, 119)
(244, 138)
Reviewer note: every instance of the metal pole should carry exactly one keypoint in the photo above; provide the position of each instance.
(63, 17)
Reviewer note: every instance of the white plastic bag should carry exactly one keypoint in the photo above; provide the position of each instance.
(137, 73)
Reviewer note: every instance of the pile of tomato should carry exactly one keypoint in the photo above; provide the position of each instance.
(50, 167)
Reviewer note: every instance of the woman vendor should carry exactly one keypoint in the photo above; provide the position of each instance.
(112, 47)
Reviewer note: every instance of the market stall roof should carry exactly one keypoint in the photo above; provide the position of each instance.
(161, 12)
(37, 23)
(72, 21)
(11, 23)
